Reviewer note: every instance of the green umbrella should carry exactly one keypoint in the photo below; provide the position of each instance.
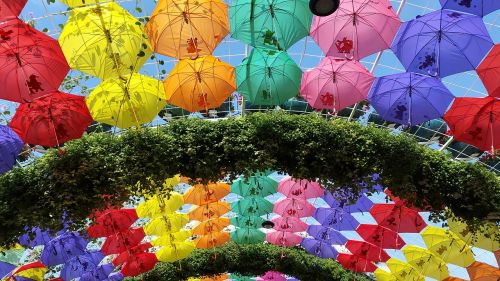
(236, 277)
(248, 222)
(252, 206)
(248, 236)
(276, 24)
(268, 77)
(254, 186)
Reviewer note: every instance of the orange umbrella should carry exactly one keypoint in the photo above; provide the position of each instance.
(497, 256)
(187, 29)
(200, 84)
(210, 226)
(450, 278)
(212, 240)
(201, 194)
(209, 211)
(479, 271)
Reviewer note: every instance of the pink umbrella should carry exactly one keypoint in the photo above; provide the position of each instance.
(299, 188)
(272, 275)
(336, 84)
(282, 238)
(294, 207)
(289, 224)
(357, 29)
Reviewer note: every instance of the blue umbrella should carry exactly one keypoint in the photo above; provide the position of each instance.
(337, 219)
(476, 7)
(79, 265)
(410, 98)
(326, 234)
(35, 237)
(10, 147)
(5, 268)
(62, 248)
(442, 43)
(115, 276)
(99, 273)
(319, 248)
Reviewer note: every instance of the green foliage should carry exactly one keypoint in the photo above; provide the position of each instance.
(305, 146)
(251, 260)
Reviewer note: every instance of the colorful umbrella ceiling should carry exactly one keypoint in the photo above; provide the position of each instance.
(10, 147)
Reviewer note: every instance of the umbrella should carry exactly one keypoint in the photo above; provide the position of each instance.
(292, 207)
(200, 84)
(160, 205)
(212, 240)
(115, 276)
(282, 238)
(11, 9)
(212, 225)
(121, 241)
(10, 147)
(201, 194)
(363, 204)
(336, 84)
(442, 43)
(474, 121)
(271, 24)
(62, 248)
(255, 185)
(289, 224)
(114, 42)
(166, 224)
(300, 188)
(341, 201)
(356, 263)
(427, 263)
(247, 222)
(31, 271)
(252, 206)
(168, 239)
(78, 265)
(403, 202)
(35, 237)
(479, 271)
(272, 275)
(476, 7)
(268, 77)
(367, 251)
(111, 222)
(101, 272)
(138, 264)
(127, 101)
(398, 218)
(380, 236)
(209, 211)
(448, 246)
(404, 271)
(326, 234)
(175, 251)
(6, 268)
(357, 29)
(319, 248)
(382, 275)
(124, 257)
(489, 71)
(31, 63)
(336, 219)
(409, 98)
(187, 29)
(484, 239)
(248, 236)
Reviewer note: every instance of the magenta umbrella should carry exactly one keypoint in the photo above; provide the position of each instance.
(272, 275)
(300, 188)
(357, 29)
(292, 207)
(285, 239)
(336, 84)
(289, 224)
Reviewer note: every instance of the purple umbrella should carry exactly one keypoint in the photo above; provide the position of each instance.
(6, 268)
(326, 234)
(363, 204)
(10, 147)
(63, 248)
(79, 265)
(337, 219)
(35, 237)
(476, 7)
(410, 98)
(116, 276)
(319, 248)
(442, 43)
(99, 273)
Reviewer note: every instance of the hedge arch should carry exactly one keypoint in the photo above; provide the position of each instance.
(305, 146)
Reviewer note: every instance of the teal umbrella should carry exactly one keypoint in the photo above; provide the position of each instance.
(252, 206)
(276, 24)
(268, 77)
(247, 222)
(248, 236)
(258, 185)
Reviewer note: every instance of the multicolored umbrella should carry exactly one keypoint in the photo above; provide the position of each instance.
(33, 271)
(201, 194)
(11, 9)
(255, 185)
(212, 225)
(357, 29)
(300, 188)
(62, 248)
(427, 263)
(10, 147)
(160, 205)
(367, 251)
(247, 221)
(476, 7)
(111, 222)
(78, 265)
(336, 218)
(448, 246)
(282, 238)
(442, 43)
(319, 248)
(292, 207)
(120, 242)
(489, 71)
(268, 77)
(138, 264)
(252, 206)
(165, 224)
(326, 234)
(32, 64)
(209, 211)
(380, 236)
(188, 29)
(356, 263)
(404, 271)
(248, 236)
(409, 98)
(212, 240)
(398, 218)
(289, 224)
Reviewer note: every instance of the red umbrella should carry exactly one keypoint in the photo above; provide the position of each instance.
(123, 257)
(356, 263)
(11, 8)
(489, 71)
(122, 241)
(367, 251)
(380, 236)
(112, 221)
(31, 63)
(403, 202)
(52, 120)
(138, 264)
(398, 218)
(475, 121)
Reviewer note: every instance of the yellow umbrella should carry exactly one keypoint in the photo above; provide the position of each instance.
(176, 251)
(160, 205)
(404, 271)
(127, 101)
(104, 41)
(166, 224)
(484, 238)
(382, 275)
(168, 239)
(426, 262)
(448, 245)
(79, 3)
(200, 84)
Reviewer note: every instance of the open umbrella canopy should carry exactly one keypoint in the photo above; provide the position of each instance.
(160, 205)
(357, 29)
(489, 71)
(212, 240)
(356, 263)
(201, 194)
(62, 248)
(35, 237)
(344, 202)
(31, 63)
(168, 239)
(268, 77)
(247, 221)
(255, 185)
(479, 271)
(6, 268)
(448, 246)
(212, 225)
(380, 236)
(121, 241)
(10, 147)
(271, 24)
(484, 239)
(319, 248)
(111, 222)
(78, 265)
(300, 188)
(248, 236)
(101, 272)
(125, 256)
(271, 275)
(209, 211)
(326, 234)
(166, 224)
(138, 264)
(114, 42)
(175, 251)
(11, 9)
(252, 206)
(409, 98)
(33, 271)
(476, 7)
(282, 238)
(289, 224)
(398, 218)
(187, 29)
(442, 43)
(367, 251)
(382, 275)
(404, 271)
(336, 218)
(427, 263)
(292, 207)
